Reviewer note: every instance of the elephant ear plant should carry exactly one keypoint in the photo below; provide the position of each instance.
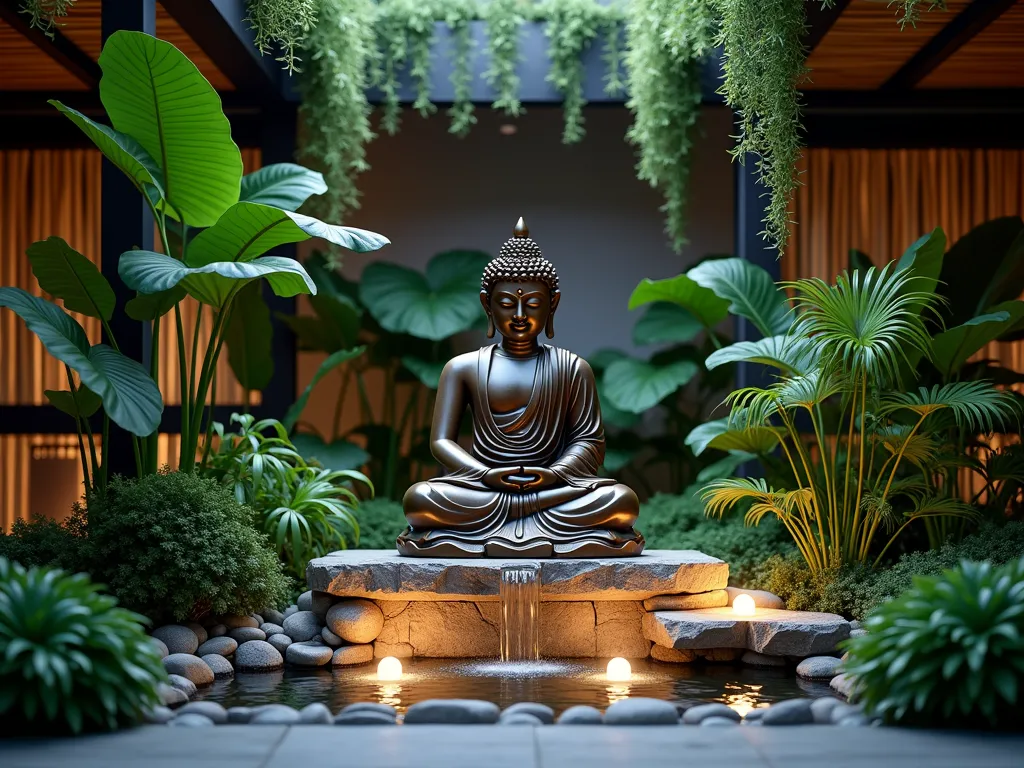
(171, 138)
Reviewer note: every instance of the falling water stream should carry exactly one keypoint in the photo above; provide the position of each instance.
(519, 593)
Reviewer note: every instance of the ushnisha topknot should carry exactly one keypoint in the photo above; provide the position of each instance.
(519, 259)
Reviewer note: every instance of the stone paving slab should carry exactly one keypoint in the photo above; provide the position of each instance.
(385, 575)
(773, 632)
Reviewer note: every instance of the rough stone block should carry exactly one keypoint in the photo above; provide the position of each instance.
(619, 630)
(714, 599)
(567, 630)
(453, 630)
(712, 628)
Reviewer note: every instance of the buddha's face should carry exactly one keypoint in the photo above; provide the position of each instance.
(520, 310)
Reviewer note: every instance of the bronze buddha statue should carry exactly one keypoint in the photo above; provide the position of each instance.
(528, 486)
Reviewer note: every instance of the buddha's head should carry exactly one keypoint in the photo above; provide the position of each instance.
(519, 290)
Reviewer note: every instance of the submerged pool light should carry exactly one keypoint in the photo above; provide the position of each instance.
(389, 668)
(619, 670)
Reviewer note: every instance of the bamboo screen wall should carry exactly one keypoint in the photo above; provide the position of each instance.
(57, 192)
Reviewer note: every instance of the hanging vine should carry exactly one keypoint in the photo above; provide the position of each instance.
(335, 112)
(504, 18)
(571, 28)
(612, 54)
(45, 15)
(283, 23)
(665, 98)
(458, 16)
(909, 11)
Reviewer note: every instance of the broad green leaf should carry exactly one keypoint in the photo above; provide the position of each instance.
(720, 434)
(313, 334)
(80, 405)
(120, 149)
(792, 354)
(954, 347)
(604, 357)
(65, 273)
(328, 365)
(130, 397)
(150, 272)
(150, 306)
(249, 335)
(282, 185)
(859, 260)
(924, 259)
(750, 291)
(338, 456)
(612, 416)
(701, 302)
(1008, 281)
(435, 305)
(635, 386)
(153, 93)
(340, 316)
(973, 265)
(248, 230)
(427, 372)
(666, 323)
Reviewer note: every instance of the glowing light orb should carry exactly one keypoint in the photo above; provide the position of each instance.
(389, 668)
(743, 605)
(619, 670)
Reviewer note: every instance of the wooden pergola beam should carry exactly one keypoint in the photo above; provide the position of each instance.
(820, 20)
(968, 23)
(58, 47)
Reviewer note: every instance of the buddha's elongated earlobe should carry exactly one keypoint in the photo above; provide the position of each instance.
(485, 302)
(549, 326)
(490, 326)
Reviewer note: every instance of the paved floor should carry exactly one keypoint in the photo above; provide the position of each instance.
(242, 746)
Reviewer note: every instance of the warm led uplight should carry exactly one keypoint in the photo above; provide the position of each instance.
(389, 668)
(743, 605)
(619, 670)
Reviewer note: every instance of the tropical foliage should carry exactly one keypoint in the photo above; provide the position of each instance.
(949, 651)
(69, 657)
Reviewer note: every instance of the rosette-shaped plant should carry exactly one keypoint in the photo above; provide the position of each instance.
(949, 651)
(69, 657)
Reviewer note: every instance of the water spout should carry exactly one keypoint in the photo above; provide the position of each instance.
(520, 613)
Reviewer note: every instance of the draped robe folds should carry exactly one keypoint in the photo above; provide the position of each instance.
(560, 428)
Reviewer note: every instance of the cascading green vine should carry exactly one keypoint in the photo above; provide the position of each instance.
(46, 14)
(571, 29)
(283, 23)
(335, 112)
(405, 34)
(909, 11)
(665, 96)
(458, 15)
(504, 18)
(612, 53)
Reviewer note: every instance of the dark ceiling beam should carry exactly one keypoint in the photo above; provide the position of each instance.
(219, 28)
(820, 20)
(947, 41)
(59, 48)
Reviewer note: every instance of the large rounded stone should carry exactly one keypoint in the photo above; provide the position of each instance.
(581, 715)
(762, 599)
(221, 667)
(791, 712)
(210, 709)
(288, 612)
(818, 668)
(716, 721)
(356, 621)
(542, 712)
(844, 684)
(303, 655)
(821, 709)
(234, 620)
(363, 717)
(172, 697)
(183, 684)
(352, 654)
(452, 712)
(245, 634)
(317, 602)
(523, 718)
(199, 629)
(273, 616)
(259, 619)
(192, 720)
(302, 626)
(275, 714)
(222, 646)
(177, 638)
(271, 629)
(370, 706)
(190, 667)
(330, 638)
(237, 715)
(158, 715)
(281, 642)
(217, 630)
(305, 601)
(257, 656)
(695, 715)
(315, 714)
(641, 711)
(160, 647)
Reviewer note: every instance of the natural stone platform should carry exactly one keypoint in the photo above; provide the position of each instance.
(385, 575)
(770, 631)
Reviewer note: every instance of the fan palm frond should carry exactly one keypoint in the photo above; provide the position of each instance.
(974, 405)
(722, 495)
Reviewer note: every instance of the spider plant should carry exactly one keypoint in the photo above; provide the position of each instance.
(863, 455)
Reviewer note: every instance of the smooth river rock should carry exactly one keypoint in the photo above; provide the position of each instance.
(190, 667)
(191, 720)
(222, 646)
(352, 654)
(762, 599)
(581, 714)
(221, 667)
(544, 713)
(177, 638)
(302, 626)
(694, 715)
(199, 629)
(281, 642)
(384, 575)
(234, 620)
(818, 668)
(791, 712)
(245, 634)
(210, 709)
(303, 655)
(257, 656)
(355, 621)
(452, 711)
(641, 711)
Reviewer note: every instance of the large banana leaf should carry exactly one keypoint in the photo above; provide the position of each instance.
(328, 365)
(150, 272)
(130, 397)
(952, 348)
(750, 291)
(429, 373)
(63, 272)
(924, 258)
(282, 185)
(435, 305)
(248, 230)
(701, 302)
(249, 336)
(792, 354)
(150, 306)
(635, 386)
(338, 456)
(724, 435)
(120, 149)
(153, 93)
(666, 323)
(982, 265)
(80, 405)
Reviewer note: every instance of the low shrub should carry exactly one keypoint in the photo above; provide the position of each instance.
(44, 541)
(177, 545)
(948, 651)
(70, 659)
(678, 522)
(380, 522)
